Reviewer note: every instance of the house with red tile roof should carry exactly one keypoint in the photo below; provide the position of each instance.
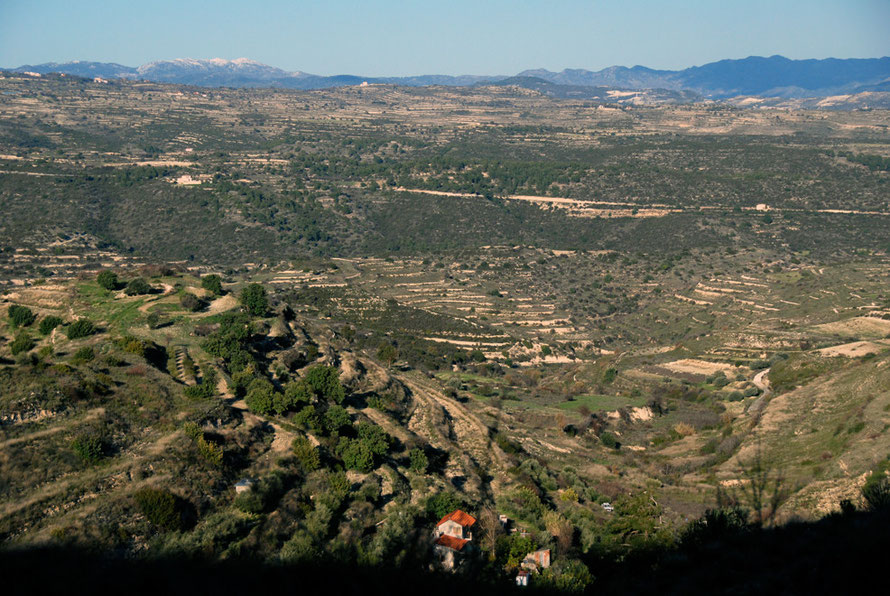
(458, 524)
(453, 537)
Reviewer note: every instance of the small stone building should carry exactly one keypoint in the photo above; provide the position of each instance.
(537, 560)
(522, 578)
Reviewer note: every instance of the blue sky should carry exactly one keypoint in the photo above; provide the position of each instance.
(399, 37)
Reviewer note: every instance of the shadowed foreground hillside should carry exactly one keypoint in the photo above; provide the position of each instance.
(800, 558)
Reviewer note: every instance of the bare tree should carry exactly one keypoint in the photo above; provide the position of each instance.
(489, 529)
(763, 488)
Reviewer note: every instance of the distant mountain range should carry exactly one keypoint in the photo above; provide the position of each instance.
(774, 76)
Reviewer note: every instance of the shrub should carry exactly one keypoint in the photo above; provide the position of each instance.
(84, 354)
(192, 430)
(22, 343)
(716, 524)
(299, 549)
(152, 352)
(249, 501)
(212, 283)
(306, 453)
(254, 299)
(876, 490)
(566, 576)
(137, 287)
(210, 452)
(719, 380)
(162, 508)
(610, 375)
(80, 328)
(88, 448)
(191, 302)
(20, 316)
(107, 279)
(419, 461)
(206, 388)
(683, 429)
(609, 440)
(569, 495)
(153, 320)
(751, 391)
(47, 324)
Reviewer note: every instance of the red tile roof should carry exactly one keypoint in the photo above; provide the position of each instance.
(451, 542)
(464, 519)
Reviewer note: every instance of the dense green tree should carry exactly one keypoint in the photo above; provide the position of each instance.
(374, 437)
(212, 283)
(254, 299)
(298, 392)
(260, 396)
(325, 383)
(296, 395)
(137, 287)
(107, 279)
(336, 418)
(442, 503)
(356, 455)
(309, 419)
(153, 319)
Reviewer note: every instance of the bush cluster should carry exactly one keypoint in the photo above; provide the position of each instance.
(20, 316)
(80, 328)
(161, 507)
(47, 324)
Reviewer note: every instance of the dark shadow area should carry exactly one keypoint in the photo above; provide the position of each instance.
(83, 571)
(829, 556)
